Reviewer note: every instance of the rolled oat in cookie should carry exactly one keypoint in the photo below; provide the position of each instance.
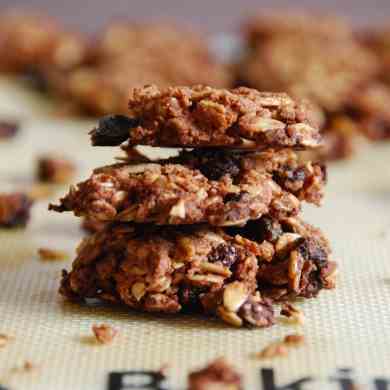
(233, 274)
(200, 116)
(214, 186)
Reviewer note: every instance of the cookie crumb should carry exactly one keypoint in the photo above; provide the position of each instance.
(273, 350)
(4, 339)
(294, 339)
(218, 374)
(104, 333)
(294, 314)
(14, 209)
(8, 129)
(28, 366)
(47, 254)
(57, 170)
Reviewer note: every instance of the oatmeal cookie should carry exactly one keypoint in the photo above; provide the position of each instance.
(34, 41)
(133, 55)
(369, 109)
(224, 272)
(265, 25)
(212, 186)
(327, 72)
(14, 209)
(378, 41)
(200, 116)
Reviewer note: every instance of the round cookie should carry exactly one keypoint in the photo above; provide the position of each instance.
(133, 55)
(200, 269)
(216, 187)
(31, 41)
(324, 71)
(287, 22)
(240, 118)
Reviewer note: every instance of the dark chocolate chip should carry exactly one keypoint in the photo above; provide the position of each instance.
(259, 230)
(259, 313)
(233, 197)
(312, 250)
(112, 130)
(189, 298)
(226, 254)
(213, 163)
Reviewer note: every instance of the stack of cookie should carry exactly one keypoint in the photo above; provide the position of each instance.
(214, 229)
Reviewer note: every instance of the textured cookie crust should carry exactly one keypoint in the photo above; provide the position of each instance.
(211, 186)
(227, 273)
(204, 116)
(327, 72)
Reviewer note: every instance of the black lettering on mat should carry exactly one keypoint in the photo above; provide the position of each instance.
(150, 380)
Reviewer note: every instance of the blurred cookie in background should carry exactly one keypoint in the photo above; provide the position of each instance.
(133, 55)
(318, 59)
(30, 41)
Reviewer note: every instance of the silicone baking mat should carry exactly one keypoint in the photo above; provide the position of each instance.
(347, 330)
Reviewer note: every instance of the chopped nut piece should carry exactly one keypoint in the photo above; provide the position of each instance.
(14, 210)
(294, 339)
(47, 254)
(53, 169)
(4, 339)
(104, 333)
(257, 312)
(292, 313)
(217, 375)
(234, 296)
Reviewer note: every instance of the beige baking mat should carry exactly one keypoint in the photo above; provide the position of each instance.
(345, 328)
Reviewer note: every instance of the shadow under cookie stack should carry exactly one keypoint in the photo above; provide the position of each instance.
(214, 229)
